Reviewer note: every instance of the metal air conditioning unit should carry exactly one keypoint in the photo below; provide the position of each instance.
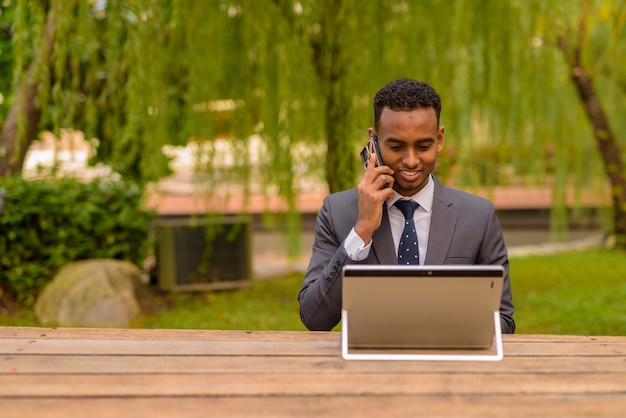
(203, 253)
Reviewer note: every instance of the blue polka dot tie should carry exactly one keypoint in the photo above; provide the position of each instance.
(408, 251)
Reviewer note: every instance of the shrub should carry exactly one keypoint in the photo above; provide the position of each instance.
(45, 224)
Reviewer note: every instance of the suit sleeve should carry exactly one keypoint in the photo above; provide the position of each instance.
(493, 251)
(320, 296)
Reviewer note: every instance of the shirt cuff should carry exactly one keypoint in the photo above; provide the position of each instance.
(355, 247)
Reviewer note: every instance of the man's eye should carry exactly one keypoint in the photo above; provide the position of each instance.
(395, 147)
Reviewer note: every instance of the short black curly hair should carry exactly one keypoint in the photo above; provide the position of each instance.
(406, 94)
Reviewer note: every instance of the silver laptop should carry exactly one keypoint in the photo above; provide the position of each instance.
(448, 312)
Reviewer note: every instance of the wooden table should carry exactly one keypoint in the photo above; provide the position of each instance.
(181, 373)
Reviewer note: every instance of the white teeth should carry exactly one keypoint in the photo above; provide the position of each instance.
(410, 173)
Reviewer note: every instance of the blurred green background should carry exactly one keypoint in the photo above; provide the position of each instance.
(272, 99)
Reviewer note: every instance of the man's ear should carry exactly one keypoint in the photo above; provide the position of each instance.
(440, 138)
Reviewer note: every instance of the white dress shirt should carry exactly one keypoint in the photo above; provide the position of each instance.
(358, 251)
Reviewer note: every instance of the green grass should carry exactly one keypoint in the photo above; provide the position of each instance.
(266, 305)
(581, 292)
(578, 292)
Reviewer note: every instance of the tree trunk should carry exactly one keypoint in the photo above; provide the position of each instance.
(340, 168)
(329, 61)
(604, 137)
(609, 150)
(20, 127)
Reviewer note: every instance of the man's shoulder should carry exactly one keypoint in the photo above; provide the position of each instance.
(342, 196)
(462, 194)
(451, 195)
(340, 208)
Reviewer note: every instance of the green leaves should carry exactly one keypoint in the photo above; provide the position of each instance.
(138, 75)
(48, 223)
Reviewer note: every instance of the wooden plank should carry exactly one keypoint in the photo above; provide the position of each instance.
(321, 365)
(537, 338)
(164, 334)
(150, 347)
(301, 384)
(238, 347)
(235, 335)
(430, 406)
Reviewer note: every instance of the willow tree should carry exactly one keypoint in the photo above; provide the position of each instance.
(287, 85)
(532, 92)
(519, 95)
(139, 75)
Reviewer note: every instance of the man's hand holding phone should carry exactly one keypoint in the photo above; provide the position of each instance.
(375, 187)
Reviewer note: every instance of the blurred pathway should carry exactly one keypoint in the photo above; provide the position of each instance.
(270, 249)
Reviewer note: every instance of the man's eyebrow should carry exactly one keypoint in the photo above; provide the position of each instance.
(401, 141)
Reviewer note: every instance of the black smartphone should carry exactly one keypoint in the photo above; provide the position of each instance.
(371, 147)
(366, 153)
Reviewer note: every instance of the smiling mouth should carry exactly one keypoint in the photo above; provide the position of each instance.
(410, 173)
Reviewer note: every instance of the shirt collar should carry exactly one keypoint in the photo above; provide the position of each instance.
(424, 197)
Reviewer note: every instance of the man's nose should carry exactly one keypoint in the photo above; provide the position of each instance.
(411, 158)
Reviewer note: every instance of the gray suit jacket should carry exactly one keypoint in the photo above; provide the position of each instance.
(463, 230)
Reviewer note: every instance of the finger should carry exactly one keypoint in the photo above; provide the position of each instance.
(384, 181)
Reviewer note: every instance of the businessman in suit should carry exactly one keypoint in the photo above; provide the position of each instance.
(364, 225)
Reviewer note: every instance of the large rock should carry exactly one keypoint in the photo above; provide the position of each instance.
(91, 293)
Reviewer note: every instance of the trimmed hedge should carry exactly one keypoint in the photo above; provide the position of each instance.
(45, 224)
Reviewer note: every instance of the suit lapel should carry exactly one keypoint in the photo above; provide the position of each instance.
(442, 224)
(383, 241)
